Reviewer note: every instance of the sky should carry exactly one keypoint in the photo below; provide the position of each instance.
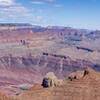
(71, 13)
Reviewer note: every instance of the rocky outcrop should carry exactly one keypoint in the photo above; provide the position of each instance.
(50, 80)
(76, 75)
(87, 88)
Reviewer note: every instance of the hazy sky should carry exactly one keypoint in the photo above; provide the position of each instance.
(74, 13)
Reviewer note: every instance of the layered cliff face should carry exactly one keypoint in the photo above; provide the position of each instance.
(31, 69)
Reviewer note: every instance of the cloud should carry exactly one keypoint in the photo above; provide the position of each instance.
(15, 13)
(58, 5)
(38, 2)
(39, 18)
(42, 1)
(7, 2)
(12, 11)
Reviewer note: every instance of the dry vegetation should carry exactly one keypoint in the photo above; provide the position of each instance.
(4, 97)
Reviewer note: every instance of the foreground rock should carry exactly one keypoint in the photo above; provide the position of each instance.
(85, 88)
(50, 80)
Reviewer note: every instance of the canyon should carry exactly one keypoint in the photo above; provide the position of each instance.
(28, 52)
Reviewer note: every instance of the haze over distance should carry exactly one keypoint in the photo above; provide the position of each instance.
(71, 13)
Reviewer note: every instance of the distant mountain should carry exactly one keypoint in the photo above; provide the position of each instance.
(14, 24)
(93, 34)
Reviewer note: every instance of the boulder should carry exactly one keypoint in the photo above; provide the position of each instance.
(50, 80)
(25, 86)
(76, 75)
